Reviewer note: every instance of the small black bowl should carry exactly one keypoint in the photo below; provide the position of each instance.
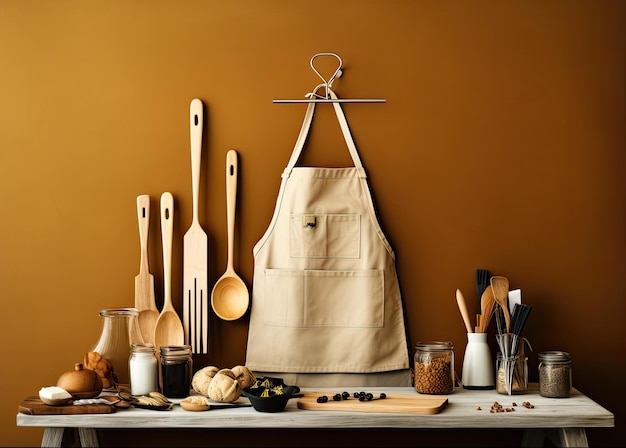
(270, 394)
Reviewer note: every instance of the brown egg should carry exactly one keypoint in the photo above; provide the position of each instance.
(81, 383)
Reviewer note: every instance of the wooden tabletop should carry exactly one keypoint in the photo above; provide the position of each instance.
(465, 409)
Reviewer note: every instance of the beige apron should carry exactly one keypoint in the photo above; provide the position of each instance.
(326, 306)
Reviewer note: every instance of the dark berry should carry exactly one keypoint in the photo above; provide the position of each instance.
(337, 397)
(383, 395)
(345, 395)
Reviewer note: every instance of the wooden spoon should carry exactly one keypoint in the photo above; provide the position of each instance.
(500, 286)
(169, 328)
(230, 296)
(144, 281)
(460, 300)
(487, 304)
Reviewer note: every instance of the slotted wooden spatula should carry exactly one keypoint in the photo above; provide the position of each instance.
(195, 249)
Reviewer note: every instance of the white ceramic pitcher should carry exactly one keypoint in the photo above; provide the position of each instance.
(478, 368)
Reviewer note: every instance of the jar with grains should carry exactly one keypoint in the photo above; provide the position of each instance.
(555, 374)
(434, 367)
(511, 374)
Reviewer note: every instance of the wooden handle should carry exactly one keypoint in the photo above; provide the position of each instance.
(167, 220)
(196, 120)
(143, 219)
(460, 300)
(231, 201)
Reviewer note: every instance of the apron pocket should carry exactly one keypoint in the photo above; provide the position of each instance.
(324, 235)
(318, 298)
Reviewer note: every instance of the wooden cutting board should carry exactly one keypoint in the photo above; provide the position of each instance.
(34, 406)
(394, 403)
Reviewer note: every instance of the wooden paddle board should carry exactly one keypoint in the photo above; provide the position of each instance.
(34, 406)
(394, 403)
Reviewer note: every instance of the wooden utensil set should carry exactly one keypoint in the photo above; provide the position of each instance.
(166, 327)
(496, 299)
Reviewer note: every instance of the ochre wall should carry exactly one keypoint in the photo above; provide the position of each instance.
(500, 146)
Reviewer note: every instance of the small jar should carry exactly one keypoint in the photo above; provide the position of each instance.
(555, 374)
(511, 374)
(176, 370)
(143, 369)
(434, 367)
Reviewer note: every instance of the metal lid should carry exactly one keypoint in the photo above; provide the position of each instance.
(175, 349)
(434, 345)
(554, 356)
(142, 347)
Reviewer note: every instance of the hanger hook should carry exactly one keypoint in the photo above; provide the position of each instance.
(329, 83)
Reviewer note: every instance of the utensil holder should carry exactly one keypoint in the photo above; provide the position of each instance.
(478, 370)
(511, 374)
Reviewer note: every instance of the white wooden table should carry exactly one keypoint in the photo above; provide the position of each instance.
(562, 420)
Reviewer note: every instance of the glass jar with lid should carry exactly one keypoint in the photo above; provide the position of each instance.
(555, 374)
(434, 367)
(176, 370)
(143, 369)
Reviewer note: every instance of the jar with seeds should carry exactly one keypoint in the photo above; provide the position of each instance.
(434, 367)
(555, 374)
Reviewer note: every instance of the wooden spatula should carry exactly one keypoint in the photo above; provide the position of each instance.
(144, 281)
(195, 250)
(500, 286)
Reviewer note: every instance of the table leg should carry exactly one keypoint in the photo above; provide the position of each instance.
(88, 437)
(52, 437)
(566, 437)
(533, 438)
(573, 437)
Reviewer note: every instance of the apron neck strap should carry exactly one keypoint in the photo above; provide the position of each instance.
(304, 132)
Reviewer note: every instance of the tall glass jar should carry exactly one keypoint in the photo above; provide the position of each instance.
(143, 369)
(555, 374)
(434, 367)
(176, 370)
(120, 329)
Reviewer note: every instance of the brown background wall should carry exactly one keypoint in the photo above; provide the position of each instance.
(501, 146)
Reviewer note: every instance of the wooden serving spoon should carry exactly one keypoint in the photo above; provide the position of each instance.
(487, 304)
(144, 281)
(230, 296)
(500, 286)
(169, 328)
